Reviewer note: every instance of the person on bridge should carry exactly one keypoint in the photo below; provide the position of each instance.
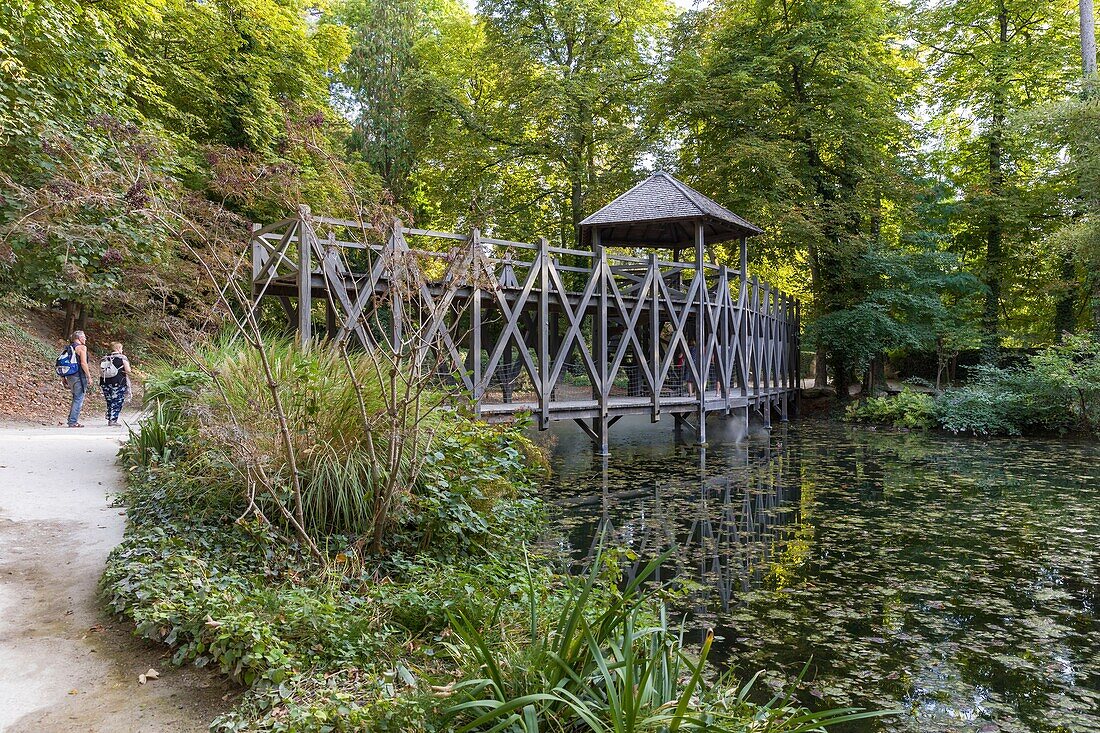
(77, 382)
(114, 380)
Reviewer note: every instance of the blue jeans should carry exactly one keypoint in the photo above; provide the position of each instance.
(78, 385)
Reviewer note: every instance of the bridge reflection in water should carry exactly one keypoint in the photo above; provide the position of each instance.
(725, 515)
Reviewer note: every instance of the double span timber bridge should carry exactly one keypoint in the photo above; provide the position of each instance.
(589, 335)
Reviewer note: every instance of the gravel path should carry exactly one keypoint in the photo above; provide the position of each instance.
(65, 665)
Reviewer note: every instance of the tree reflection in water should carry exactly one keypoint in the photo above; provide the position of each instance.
(956, 578)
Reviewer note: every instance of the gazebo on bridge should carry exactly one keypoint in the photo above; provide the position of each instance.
(588, 335)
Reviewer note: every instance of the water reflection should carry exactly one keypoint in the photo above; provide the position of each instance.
(722, 525)
(955, 578)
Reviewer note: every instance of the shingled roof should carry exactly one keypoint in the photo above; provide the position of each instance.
(663, 212)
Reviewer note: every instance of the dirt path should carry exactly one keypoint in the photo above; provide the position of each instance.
(64, 665)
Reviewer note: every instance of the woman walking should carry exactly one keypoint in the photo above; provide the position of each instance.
(114, 378)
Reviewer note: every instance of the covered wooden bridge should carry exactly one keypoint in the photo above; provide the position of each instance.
(588, 334)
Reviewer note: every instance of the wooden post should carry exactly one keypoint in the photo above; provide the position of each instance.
(655, 335)
(768, 349)
(599, 345)
(475, 328)
(701, 360)
(397, 309)
(723, 342)
(797, 328)
(330, 297)
(257, 258)
(305, 279)
(545, 388)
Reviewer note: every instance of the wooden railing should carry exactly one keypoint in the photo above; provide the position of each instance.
(561, 333)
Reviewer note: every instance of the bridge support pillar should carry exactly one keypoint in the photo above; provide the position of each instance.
(598, 432)
(702, 432)
(601, 426)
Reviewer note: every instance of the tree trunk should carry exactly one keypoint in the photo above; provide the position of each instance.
(70, 318)
(576, 208)
(1096, 307)
(1088, 37)
(1065, 310)
(821, 370)
(994, 252)
(878, 375)
(841, 379)
(1088, 66)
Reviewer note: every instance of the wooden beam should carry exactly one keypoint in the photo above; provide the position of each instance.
(543, 348)
(655, 336)
(305, 281)
(701, 351)
(475, 332)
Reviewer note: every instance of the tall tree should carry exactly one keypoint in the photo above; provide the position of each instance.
(991, 60)
(570, 78)
(791, 112)
(1088, 37)
(374, 84)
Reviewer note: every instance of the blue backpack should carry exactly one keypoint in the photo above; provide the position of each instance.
(68, 364)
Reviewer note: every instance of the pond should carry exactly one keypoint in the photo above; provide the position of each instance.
(957, 579)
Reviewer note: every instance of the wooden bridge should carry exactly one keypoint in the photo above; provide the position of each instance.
(588, 335)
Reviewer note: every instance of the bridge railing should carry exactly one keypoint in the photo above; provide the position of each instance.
(556, 331)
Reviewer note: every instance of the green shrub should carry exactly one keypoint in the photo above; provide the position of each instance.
(909, 409)
(1072, 371)
(357, 642)
(978, 409)
(224, 428)
(1056, 391)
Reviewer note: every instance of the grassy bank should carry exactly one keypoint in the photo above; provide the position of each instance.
(449, 624)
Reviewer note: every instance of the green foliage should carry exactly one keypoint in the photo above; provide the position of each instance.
(914, 299)
(989, 64)
(909, 409)
(1056, 391)
(222, 425)
(1071, 370)
(606, 663)
(208, 72)
(467, 489)
(981, 409)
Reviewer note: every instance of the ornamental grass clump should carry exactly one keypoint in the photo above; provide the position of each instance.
(360, 454)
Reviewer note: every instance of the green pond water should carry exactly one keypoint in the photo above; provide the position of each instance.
(957, 579)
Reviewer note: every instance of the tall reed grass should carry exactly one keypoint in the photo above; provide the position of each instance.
(340, 440)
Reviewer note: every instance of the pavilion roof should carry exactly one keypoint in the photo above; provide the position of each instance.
(664, 212)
